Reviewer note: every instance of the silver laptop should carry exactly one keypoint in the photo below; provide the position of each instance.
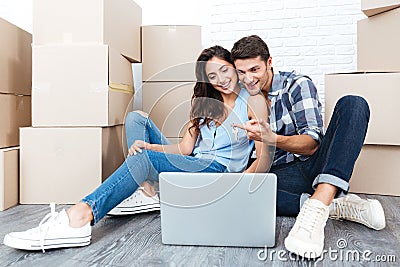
(218, 209)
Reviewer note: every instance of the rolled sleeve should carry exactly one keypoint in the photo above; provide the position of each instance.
(315, 133)
(306, 109)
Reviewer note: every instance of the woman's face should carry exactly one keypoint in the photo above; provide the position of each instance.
(222, 75)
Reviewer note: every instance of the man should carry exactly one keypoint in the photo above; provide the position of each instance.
(313, 169)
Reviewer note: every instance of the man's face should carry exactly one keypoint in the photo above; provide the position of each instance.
(254, 74)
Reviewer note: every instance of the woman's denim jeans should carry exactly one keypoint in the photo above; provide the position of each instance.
(136, 169)
(332, 163)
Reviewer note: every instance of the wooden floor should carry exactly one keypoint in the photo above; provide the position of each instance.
(136, 241)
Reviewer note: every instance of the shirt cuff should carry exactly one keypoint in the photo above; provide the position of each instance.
(314, 133)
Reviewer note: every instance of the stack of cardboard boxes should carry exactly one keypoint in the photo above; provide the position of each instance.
(377, 80)
(169, 54)
(82, 87)
(15, 105)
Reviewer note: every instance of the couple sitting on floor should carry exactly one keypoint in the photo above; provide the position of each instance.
(238, 103)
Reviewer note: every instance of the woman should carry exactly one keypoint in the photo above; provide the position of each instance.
(210, 144)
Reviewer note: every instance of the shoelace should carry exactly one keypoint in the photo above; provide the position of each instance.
(346, 210)
(45, 223)
(136, 193)
(308, 219)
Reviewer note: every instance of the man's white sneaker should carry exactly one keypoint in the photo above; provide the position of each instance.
(53, 232)
(353, 208)
(138, 202)
(306, 238)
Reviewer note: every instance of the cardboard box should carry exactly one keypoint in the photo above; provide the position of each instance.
(378, 42)
(169, 52)
(115, 23)
(168, 105)
(373, 7)
(377, 171)
(381, 92)
(8, 177)
(15, 112)
(15, 60)
(63, 165)
(80, 85)
(137, 83)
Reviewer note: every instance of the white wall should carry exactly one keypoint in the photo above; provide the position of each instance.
(18, 12)
(311, 36)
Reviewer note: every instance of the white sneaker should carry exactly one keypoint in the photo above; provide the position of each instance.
(138, 202)
(306, 238)
(53, 232)
(353, 208)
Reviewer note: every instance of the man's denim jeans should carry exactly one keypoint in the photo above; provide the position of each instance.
(136, 169)
(332, 163)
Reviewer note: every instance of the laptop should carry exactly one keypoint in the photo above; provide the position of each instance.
(218, 209)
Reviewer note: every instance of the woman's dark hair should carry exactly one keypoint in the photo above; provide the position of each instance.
(207, 103)
(250, 47)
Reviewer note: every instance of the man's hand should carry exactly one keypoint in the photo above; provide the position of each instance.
(137, 146)
(258, 130)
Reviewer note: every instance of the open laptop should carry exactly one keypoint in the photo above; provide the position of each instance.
(218, 209)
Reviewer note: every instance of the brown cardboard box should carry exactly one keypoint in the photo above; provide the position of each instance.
(169, 52)
(15, 59)
(80, 85)
(168, 104)
(377, 171)
(15, 112)
(8, 177)
(62, 165)
(378, 42)
(381, 92)
(115, 23)
(373, 7)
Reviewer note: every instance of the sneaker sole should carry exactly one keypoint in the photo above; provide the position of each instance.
(134, 210)
(48, 244)
(298, 247)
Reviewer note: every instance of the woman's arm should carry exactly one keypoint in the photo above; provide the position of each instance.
(185, 147)
(257, 109)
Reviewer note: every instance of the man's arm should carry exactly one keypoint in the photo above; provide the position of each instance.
(298, 144)
(307, 118)
(259, 130)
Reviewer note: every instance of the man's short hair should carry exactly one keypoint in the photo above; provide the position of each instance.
(250, 47)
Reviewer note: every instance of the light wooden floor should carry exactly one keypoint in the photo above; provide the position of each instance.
(136, 241)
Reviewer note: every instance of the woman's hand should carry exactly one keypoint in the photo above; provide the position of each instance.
(258, 130)
(137, 146)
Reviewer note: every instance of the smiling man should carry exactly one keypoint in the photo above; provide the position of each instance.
(313, 168)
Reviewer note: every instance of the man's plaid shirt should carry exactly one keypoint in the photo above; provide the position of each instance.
(295, 109)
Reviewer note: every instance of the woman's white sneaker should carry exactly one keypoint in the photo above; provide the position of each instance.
(368, 212)
(138, 202)
(53, 232)
(306, 238)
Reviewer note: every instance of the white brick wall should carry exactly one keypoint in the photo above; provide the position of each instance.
(310, 36)
(313, 37)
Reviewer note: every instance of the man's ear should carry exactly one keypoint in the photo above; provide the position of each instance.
(269, 63)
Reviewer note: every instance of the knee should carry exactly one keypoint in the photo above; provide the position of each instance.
(135, 116)
(357, 105)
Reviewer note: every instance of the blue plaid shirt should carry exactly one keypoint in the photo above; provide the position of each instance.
(295, 109)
